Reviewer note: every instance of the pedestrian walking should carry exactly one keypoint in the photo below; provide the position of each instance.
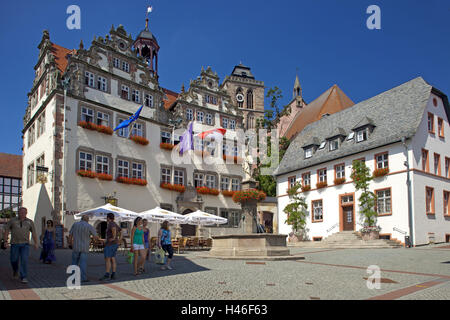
(146, 239)
(80, 239)
(113, 239)
(20, 228)
(137, 245)
(165, 242)
(48, 243)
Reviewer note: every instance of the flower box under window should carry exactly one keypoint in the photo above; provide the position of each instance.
(96, 127)
(228, 193)
(135, 181)
(87, 174)
(166, 146)
(380, 172)
(104, 176)
(338, 181)
(173, 187)
(321, 184)
(306, 188)
(139, 140)
(206, 190)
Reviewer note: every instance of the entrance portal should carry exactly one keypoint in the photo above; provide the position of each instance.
(347, 219)
(187, 230)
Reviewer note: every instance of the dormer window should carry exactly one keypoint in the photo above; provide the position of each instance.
(361, 135)
(351, 136)
(334, 144)
(322, 145)
(308, 152)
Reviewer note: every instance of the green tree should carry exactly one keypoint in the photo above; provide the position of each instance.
(297, 211)
(361, 178)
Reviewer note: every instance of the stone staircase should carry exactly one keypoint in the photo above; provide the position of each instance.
(350, 240)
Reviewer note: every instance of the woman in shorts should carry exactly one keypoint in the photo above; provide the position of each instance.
(165, 242)
(137, 245)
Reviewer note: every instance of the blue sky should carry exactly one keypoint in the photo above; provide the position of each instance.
(327, 40)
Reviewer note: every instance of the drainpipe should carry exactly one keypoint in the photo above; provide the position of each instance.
(408, 183)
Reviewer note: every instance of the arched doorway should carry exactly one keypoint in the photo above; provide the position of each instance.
(187, 230)
(101, 229)
(268, 221)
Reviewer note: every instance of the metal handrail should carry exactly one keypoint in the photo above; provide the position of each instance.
(400, 231)
(334, 226)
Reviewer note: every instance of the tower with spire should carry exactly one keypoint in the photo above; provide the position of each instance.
(297, 93)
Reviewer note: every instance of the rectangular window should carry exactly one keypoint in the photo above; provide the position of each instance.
(447, 167)
(317, 208)
(198, 180)
(123, 168)
(31, 135)
(30, 175)
(306, 179)
(446, 203)
(235, 184)
(430, 123)
(137, 170)
(291, 182)
(210, 181)
(429, 199)
(103, 119)
(361, 135)
(308, 153)
(165, 175)
(382, 161)
(441, 127)
(225, 123)
(135, 96)
(235, 218)
(166, 137)
(89, 79)
(322, 175)
(224, 183)
(384, 202)
(102, 164)
(138, 130)
(102, 84)
(347, 199)
(85, 161)
(225, 214)
(425, 163)
(116, 63)
(125, 66)
(41, 124)
(209, 119)
(148, 100)
(437, 164)
(334, 144)
(232, 124)
(189, 115)
(340, 171)
(125, 93)
(123, 132)
(40, 162)
(178, 176)
(200, 116)
(87, 114)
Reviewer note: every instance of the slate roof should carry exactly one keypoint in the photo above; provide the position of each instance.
(395, 113)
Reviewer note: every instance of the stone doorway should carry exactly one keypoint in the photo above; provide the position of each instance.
(347, 210)
(187, 230)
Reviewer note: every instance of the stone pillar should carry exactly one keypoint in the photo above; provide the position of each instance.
(249, 208)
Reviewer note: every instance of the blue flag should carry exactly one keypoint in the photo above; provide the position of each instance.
(127, 122)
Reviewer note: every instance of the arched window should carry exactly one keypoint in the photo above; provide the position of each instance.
(249, 99)
(250, 121)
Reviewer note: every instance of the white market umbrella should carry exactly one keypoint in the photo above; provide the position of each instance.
(100, 213)
(201, 218)
(160, 215)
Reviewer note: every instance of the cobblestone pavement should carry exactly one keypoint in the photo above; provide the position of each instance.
(416, 273)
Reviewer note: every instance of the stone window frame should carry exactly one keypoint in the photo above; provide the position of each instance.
(152, 100)
(130, 167)
(144, 169)
(30, 174)
(133, 91)
(86, 150)
(230, 182)
(95, 109)
(110, 161)
(184, 174)
(230, 214)
(132, 86)
(165, 166)
(40, 124)
(37, 160)
(212, 118)
(98, 73)
(211, 173)
(125, 117)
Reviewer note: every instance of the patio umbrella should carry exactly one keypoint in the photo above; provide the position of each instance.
(100, 213)
(201, 218)
(160, 215)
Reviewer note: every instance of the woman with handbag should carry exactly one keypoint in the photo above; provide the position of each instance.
(165, 242)
(137, 246)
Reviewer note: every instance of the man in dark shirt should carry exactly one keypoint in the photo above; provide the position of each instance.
(113, 238)
(20, 228)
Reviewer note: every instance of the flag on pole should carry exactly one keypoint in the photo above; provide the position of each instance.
(214, 135)
(130, 120)
(187, 140)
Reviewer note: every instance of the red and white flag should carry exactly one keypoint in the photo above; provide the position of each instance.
(214, 135)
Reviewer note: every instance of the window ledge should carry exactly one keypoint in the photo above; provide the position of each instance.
(317, 221)
(385, 214)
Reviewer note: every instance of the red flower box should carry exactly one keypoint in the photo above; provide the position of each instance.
(104, 176)
(167, 146)
(96, 127)
(246, 195)
(339, 181)
(380, 172)
(173, 187)
(135, 181)
(228, 193)
(86, 174)
(104, 129)
(139, 140)
(206, 190)
(306, 188)
(321, 185)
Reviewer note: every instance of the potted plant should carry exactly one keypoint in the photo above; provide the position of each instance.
(139, 140)
(297, 212)
(361, 177)
(248, 195)
(228, 193)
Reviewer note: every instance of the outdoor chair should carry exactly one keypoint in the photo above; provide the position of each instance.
(182, 242)
(209, 243)
(195, 243)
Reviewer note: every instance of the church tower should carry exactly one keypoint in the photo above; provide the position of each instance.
(297, 93)
(148, 48)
